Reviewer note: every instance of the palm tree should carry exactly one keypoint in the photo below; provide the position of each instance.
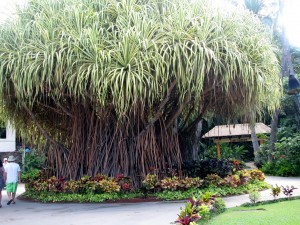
(119, 86)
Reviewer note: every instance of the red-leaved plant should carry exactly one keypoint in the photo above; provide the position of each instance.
(288, 191)
(124, 182)
(188, 220)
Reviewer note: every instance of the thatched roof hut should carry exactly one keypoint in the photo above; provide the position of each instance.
(235, 133)
(234, 130)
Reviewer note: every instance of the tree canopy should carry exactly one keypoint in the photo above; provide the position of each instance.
(111, 85)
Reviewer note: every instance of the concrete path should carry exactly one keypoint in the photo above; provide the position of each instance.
(250, 165)
(266, 195)
(155, 213)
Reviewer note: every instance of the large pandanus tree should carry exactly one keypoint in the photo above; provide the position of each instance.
(119, 86)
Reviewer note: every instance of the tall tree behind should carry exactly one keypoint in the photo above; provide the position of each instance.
(254, 6)
(270, 16)
(254, 140)
(286, 65)
(196, 143)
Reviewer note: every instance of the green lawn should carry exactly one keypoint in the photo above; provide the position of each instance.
(282, 213)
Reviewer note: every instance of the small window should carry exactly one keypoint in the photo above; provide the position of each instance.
(2, 130)
(2, 133)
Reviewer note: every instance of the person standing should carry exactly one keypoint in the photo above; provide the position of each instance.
(12, 176)
(4, 161)
(2, 182)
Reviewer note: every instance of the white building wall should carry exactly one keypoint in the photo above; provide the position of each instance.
(8, 144)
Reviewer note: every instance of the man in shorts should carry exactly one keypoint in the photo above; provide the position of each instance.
(12, 177)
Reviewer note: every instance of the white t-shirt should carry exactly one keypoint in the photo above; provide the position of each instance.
(12, 169)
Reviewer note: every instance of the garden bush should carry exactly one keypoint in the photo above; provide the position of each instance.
(285, 159)
(31, 174)
(170, 183)
(275, 191)
(212, 179)
(228, 151)
(188, 182)
(254, 196)
(257, 175)
(288, 191)
(244, 176)
(109, 186)
(219, 206)
(34, 163)
(124, 182)
(231, 181)
(202, 168)
(34, 159)
(151, 183)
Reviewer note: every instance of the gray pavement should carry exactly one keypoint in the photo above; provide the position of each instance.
(266, 195)
(154, 213)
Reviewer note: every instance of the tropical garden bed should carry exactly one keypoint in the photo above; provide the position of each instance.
(219, 178)
(133, 197)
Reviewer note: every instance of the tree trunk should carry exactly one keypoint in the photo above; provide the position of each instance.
(286, 65)
(273, 137)
(297, 100)
(197, 141)
(99, 142)
(254, 141)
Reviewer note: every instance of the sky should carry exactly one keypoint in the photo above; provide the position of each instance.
(291, 20)
(291, 16)
(8, 8)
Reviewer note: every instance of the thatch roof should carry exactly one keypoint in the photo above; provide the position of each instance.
(236, 130)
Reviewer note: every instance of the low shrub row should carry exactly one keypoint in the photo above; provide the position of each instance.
(101, 188)
(222, 172)
(97, 185)
(164, 195)
(152, 184)
(253, 185)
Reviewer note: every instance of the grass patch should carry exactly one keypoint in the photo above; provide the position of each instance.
(284, 213)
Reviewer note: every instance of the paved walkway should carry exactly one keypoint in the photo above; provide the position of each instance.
(266, 195)
(154, 213)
